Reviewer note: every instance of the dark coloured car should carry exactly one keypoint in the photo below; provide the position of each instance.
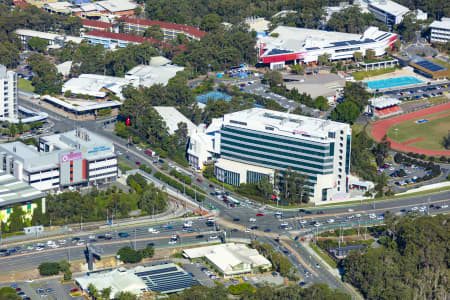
(254, 227)
(18, 289)
(151, 244)
(49, 290)
(267, 230)
(234, 230)
(101, 237)
(75, 239)
(200, 236)
(21, 294)
(123, 234)
(236, 220)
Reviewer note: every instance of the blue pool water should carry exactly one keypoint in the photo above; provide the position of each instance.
(422, 121)
(392, 82)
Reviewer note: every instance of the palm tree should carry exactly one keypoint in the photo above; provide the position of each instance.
(106, 293)
(92, 291)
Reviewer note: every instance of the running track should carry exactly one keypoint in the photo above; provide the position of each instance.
(380, 128)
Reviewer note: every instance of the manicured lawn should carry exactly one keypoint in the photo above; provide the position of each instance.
(360, 75)
(432, 131)
(25, 85)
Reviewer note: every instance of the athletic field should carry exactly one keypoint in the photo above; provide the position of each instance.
(421, 131)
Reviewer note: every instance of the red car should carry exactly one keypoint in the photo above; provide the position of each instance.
(18, 289)
(138, 163)
(74, 290)
(260, 215)
(199, 180)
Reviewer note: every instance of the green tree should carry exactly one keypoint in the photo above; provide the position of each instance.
(38, 44)
(48, 268)
(357, 56)
(370, 54)
(16, 219)
(323, 59)
(7, 293)
(106, 293)
(273, 78)
(68, 276)
(155, 32)
(210, 22)
(129, 255)
(298, 69)
(208, 172)
(92, 291)
(126, 296)
(321, 103)
(138, 11)
(346, 112)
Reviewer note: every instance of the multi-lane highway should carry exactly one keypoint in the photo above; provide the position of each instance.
(249, 220)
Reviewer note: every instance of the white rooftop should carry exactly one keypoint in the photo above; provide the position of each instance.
(230, 257)
(383, 101)
(159, 61)
(48, 36)
(294, 38)
(95, 85)
(282, 123)
(120, 280)
(390, 6)
(148, 75)
(64, 68)
(172, 117)
(116, 5)
(444, 23)
(81, 106)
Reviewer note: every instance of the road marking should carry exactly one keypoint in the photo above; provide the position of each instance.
(289, 247)
(105, 243)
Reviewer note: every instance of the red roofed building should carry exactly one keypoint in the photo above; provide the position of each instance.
(111, 40)
(170, 30)
(95, 25)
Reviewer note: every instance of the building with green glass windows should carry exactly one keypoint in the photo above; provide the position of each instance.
(258, 143)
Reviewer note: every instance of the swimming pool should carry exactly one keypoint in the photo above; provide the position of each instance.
(392, 82)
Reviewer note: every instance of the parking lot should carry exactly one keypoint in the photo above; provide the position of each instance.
(402, 175)
(47, 289)
(419, 92)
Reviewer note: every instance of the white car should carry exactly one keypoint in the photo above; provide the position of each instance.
(358, 215)
(444, 206)
(372, 216)
(330, 221)
(247, 230)
(284, 224)
(153, 230)
(317, 224)
(303, 221)
(138, 148)
(252, 220)
(414, 208)
(62, 242)
(422, 208)
(172, 242)
(351, 209)
(92, 237)
(80, 243)
(39, 248)
(213, 237)
(350, 217)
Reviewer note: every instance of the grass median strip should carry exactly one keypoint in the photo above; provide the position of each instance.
(323, 255)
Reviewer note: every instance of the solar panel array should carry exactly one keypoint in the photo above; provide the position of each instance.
(167, 279)
(429, 65)
(278, 51)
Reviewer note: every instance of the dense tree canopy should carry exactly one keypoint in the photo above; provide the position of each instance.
(352, 20)
(317, 291)
(412, 263)
(46, 80)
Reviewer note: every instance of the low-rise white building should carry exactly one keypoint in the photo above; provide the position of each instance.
(163, 278)
(148, 75)
(387, 11)
(231, 259)
(440, 31)
(53, 39)
(76, 157)
(96, 85)
(172, 117)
